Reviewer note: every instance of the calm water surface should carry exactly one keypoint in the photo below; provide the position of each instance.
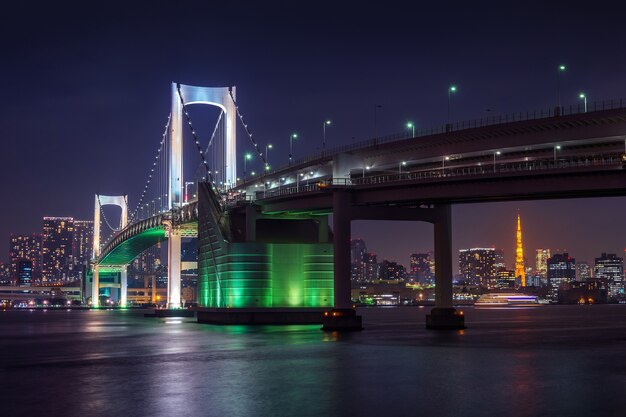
(552, 361)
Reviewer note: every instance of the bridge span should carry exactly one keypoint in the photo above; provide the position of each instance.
(265, 242)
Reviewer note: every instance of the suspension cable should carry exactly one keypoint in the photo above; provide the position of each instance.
(245, 126)
(114, 229)
(154, 164)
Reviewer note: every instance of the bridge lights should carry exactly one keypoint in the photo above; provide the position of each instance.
(451, 89)
(443, 161)
(246, 158)
(326, 123)
(400, 165)
(267, 160)
(291, 138)
(411, 126)
(583, 97)
(494, 159)
(562, 68)
(556, 147)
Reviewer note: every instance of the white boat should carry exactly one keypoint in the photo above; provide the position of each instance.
(509, 300)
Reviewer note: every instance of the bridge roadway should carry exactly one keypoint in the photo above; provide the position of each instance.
(418, 179)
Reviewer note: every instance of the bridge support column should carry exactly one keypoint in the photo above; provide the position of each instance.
(95, 286)
(342, 316)
(173, 268)
(444, 316)
(124, 287)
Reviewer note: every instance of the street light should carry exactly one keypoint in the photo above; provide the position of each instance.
(411, 126)
(291, 137)
(267, 163)
(367, 167)
(562, 69)
(557, 147)
(494, 160)
(443, 161)
(584, 98)
(245, 161)
(326, 122)
(400, 165)
(186, 190)
(451, 89)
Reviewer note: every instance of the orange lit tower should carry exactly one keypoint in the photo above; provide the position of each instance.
(519, 253)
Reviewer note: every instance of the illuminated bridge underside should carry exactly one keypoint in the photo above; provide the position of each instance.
(129, 249)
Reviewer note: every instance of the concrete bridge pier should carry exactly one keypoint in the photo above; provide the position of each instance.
(173, 268)
(343, 316)
(444, 316)
(95, 286)
(124, 286)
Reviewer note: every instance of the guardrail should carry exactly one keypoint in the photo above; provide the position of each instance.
(616, 159)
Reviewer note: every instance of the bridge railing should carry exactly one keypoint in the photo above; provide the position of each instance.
(616, 159)
(578, 108)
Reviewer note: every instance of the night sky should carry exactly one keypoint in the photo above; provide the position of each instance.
(86, 92)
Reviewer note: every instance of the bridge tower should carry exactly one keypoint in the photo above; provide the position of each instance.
(106, 200)
(186, 95)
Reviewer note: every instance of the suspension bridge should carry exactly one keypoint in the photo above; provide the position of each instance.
(265, 245)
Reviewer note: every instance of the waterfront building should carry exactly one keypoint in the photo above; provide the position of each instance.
(561, 270)
(82, 246)
(478, 266)
(24, 273)
(541, 258)
(391, 271)
(5, 273)
(583, 271)
(358, 252)
(610, 267)
(505, 278)
(57, 249)
(420, 267)
(371, 267)
(25, 248)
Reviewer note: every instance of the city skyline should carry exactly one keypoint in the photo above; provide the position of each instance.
(94, 124)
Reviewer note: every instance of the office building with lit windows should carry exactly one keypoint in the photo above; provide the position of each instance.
(610, 267)
(542, 256)
(561, 270)
(478, 266)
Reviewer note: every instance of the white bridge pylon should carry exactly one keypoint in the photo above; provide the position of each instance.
(107, 200)
(212, 96)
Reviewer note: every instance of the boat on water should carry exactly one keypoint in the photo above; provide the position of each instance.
(509, 300)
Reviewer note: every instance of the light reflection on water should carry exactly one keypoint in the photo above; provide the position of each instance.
(558, 360)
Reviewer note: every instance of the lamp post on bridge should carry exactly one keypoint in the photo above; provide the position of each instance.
(443, 162)
(411, 126)
(494, 160)
(562, 69)
(267, 161)
(451, 89)
(583, 97)
(291, 138)
(326, 122)
(556, 147)
(245, 161)
(400, 165)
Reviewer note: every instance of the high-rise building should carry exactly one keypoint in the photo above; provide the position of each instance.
(520, 270)
(371, 267)
(420, 267)
(610, 267)
(499, 259)
(57, 249)
(82, 246)
(542, 262)
(561, 270)
(28, 248)
(478, 265)
(390, 270)
(583, 271)
(358, 251)
(24, 272)
(5, 273)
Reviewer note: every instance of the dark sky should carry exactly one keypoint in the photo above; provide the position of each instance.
(86, 89)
